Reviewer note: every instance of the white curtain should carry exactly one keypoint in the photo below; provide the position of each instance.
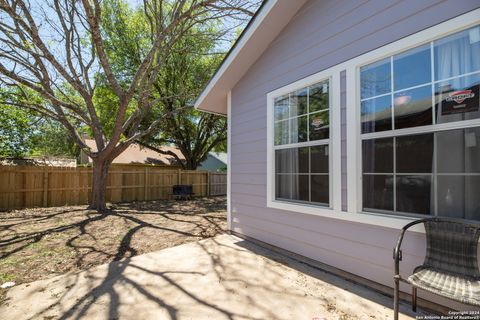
(287, 185)
(457, 55)
(294, 154)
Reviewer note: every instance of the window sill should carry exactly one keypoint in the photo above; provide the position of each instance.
(369, 218)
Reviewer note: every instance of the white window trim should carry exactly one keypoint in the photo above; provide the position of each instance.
(354, 170)
(229, 161)
(332, 74)
(354, 135)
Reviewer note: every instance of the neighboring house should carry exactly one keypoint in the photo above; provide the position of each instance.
(216, 161)
(39, 161)
(137, 154)
(348, 119)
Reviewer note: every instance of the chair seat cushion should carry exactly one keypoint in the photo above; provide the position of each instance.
(465, 290)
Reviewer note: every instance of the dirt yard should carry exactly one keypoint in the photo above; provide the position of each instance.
(44, 242)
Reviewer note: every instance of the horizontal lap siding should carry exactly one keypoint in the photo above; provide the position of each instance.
(322, 34)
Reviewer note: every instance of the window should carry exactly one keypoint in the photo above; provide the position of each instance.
(420, 129)
(301, 145)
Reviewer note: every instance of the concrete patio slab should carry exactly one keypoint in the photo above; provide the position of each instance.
(219, 278)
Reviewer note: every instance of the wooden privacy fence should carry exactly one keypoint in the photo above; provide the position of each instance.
(34, 186)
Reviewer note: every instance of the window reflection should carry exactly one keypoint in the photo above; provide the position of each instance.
(281, 107)
(414, 153)
(408, 170)
(319, 125)
(298, 129)
(283, 186)
(375, 79)
(319, 159)
(413, 107)
(320, 189)
(300, 187)
(318, 97)
(300, 112)
(378, 155)
(378, 192)
(414, 194)
(458, 196)
(458, 151)
(281, 132)
(412, 68)
(301, 174)
(376, 114)
(292, 160)
(298, 103)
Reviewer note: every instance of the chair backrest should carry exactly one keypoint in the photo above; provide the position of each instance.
(452, 246)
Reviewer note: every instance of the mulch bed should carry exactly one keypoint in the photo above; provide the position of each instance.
(44, 242)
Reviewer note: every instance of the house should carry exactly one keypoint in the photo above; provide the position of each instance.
(216, 161)
(137, 154)
(348, 119)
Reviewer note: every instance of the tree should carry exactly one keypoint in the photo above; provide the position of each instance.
(24, 133)
(14, 131)
(57, 51)
(51, 139)
(194, 59)
(181, 79)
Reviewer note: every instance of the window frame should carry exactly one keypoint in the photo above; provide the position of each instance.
(351, 67)
(355, 135)
(333, 75)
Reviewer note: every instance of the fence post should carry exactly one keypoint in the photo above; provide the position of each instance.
(208, 184)
(179, 176)
(145, 184)
(45, 186)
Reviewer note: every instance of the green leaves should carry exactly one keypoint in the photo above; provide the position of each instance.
(15, 132)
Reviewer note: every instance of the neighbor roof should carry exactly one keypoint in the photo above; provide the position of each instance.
(138, 154)
(267, 23)
(220, 156)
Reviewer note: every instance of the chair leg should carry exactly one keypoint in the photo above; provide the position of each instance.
(396, 298)
(414, 299)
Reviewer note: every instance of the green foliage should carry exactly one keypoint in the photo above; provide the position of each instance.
(15, 131)
(126, 37)
(184, 73)
(52, 139)
(25, 133)
(183, 76)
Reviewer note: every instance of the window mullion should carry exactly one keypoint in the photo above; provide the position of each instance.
(432, 66)
(434, 176)
(394, 174)
(391, 94)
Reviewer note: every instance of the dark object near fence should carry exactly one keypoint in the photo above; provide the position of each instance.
(182, 191)
(450, 268)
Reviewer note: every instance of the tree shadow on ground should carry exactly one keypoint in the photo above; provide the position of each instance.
(227, 271)
(227, 276)
(77, 238)
(345, 282)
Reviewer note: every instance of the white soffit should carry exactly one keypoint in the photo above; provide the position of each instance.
(267, 24)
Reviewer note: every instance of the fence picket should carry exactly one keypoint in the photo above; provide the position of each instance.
(36, 186)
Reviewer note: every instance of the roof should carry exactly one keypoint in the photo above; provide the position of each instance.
(264, 27)
(220, 156)
(138, 154)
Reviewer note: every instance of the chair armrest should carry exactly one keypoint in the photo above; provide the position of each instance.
(397, 252)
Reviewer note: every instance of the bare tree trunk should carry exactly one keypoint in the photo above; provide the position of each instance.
(99, 186)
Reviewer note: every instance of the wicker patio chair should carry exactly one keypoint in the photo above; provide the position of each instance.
(450, 268)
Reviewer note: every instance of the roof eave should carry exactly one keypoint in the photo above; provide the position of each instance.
(270, 19)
